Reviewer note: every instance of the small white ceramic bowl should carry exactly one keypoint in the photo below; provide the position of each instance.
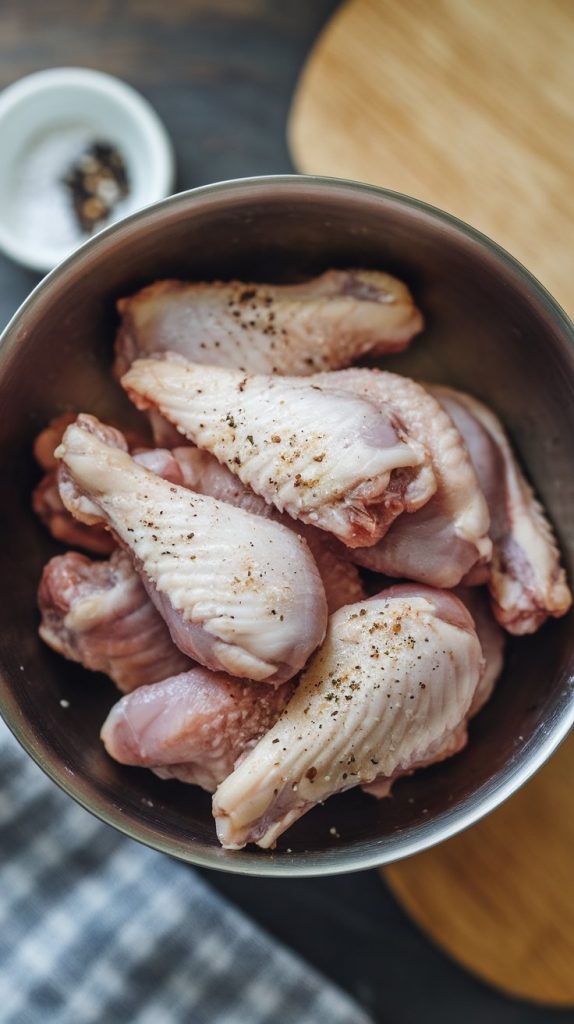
(65, 103)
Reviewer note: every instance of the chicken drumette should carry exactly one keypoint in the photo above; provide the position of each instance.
(323, 324)
(193, 727)
(335, 460)
(98, 613)
(239, 593)
(390, 690)
(526, 581)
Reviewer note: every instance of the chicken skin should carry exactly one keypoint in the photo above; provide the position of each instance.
(492, 641)
(323, 324)
(527, 583)
(440, 542)
(46, 501)
(193, 727)
(390, 688)
(98, 613)
(239, 593)
(328, 458)
(201, 472)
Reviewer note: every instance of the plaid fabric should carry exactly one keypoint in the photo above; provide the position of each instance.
(96, 929)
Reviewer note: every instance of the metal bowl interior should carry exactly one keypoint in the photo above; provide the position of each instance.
(491, 330)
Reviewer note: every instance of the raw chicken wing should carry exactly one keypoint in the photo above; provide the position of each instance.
(201, 472)
(438, 544)
(323, 324)
(239, 593)
(193, 727)
(98, 613)
(527, 583)
(391, 687)
(492, 641)
(328, 458)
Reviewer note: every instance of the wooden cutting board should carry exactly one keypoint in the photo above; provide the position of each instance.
(469, 105)
(500, 897)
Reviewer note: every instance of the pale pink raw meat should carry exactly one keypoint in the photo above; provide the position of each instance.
(390, 688)
(201, 472)
(328, 458)
(492, 641)
(527, 583)
(239, 593)
(322, 324)
(440, 542)
(98, 613)
(193, 727)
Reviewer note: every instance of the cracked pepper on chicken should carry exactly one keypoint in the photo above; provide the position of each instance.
(201, 472)
(286, 484)
(378, 699)
(333, 460)
(239, 594)
(294, 329)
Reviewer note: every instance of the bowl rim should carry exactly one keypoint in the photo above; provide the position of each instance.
(338, 859)
(155, 144)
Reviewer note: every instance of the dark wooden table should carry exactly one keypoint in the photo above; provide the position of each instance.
(221, 73)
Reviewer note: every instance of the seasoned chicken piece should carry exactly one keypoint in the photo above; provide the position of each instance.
(193, 727)
(322, 324)
(328, 458)
(492, 641)
(438, 544)
(201, 472)
(391, 686)
(239, 594)
(99, 614)
(527, 582)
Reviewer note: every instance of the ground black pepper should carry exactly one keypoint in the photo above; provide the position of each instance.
(96, 182)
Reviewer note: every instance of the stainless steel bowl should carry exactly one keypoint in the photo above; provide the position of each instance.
(492, 329)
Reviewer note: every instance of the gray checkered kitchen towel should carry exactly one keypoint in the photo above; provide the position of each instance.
(96, 929)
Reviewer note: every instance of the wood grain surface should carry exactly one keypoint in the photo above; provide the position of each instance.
(500, 896)
(470, 106)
